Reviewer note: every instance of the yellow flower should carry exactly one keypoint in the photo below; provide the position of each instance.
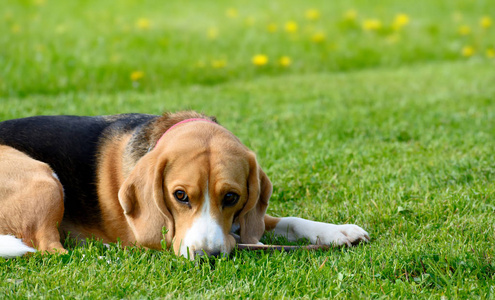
(400, 21)
(15, 28)
(219, 63)
(490, 52)
(467, 51)
(8, 16)
(372, 24)
(485, 22)
(312, 14)
(143, 23)
(137, 75)
(291, 26)
(232, 13)
(464, 30)
(272, 27)
(350, 15)
(285, 61)
(260, 60)
(318, 37)
(212, 33)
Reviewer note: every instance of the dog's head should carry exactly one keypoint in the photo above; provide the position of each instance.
(197, 182)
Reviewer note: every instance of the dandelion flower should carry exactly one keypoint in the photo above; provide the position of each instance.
(212, 33)
(467, 51)
(272, 27)
(400, 21)
(137, 75)
(312, 14)
(143, 24)
(485, 22)
(490, 52)
(291, 26)
(464, 30)
(350, 15)
(318, 37)
(285, 61)
(219, 63)
(260, 60)
(372, 24)
(15, 28)
(232, 13)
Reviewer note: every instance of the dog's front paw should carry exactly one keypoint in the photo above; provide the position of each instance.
(329, 234)
(321, 233)
(339, 235)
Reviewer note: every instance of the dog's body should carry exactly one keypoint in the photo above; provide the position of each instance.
(128, 176)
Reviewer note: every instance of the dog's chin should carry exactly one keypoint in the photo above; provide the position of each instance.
(206, 248)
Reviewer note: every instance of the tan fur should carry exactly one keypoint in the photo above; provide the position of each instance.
(110, 179)
(142, 200)
(251, 218)
(271, 222)
(31, 201)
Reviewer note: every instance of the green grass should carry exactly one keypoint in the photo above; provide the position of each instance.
(393, 131)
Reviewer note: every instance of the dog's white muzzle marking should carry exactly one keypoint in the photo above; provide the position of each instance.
(204, 234)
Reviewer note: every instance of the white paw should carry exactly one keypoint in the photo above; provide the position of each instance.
(339, 235)
(321, 233)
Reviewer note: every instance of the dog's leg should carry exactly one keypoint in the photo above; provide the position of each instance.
(47, 236)
(31, 201)
(317, 233)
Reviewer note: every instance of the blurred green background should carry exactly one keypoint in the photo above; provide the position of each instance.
(53, 47)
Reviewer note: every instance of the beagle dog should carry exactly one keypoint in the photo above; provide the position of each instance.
(142, 179)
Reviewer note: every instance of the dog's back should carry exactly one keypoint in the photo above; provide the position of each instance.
(69, 145)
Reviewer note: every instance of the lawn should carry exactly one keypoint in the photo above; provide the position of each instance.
(380, 114)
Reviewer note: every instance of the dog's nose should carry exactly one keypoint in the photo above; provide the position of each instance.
(200, 253)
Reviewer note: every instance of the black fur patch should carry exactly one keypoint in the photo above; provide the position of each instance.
(69, 144)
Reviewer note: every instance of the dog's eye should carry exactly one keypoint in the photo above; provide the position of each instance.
(181, 196)
(230, 199)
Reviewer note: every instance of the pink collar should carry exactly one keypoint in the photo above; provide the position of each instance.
(182, 122)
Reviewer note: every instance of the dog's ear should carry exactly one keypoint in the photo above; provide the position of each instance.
(251, 218)
(142, 199)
